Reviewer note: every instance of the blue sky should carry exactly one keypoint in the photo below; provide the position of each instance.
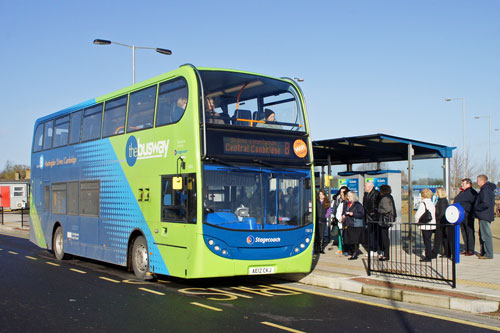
(369, 66)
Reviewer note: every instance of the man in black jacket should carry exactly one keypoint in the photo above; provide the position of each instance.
(371, 199)
(484, 210)
(466, 198)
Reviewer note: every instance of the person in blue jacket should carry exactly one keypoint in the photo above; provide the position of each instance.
(484, 210)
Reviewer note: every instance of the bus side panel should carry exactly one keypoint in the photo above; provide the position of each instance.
(120, 213)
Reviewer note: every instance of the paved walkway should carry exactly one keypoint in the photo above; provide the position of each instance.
(478, 282)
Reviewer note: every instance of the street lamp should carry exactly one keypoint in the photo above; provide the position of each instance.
(489, 144)
(463, 129)
(133, 47)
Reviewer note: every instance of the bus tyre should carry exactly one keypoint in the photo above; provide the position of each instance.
(58, 244)
(140, 258)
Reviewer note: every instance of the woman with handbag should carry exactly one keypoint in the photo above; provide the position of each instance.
(353, 219)
(387, 214)
(426, 218)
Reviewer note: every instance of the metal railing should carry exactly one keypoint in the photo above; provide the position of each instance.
(407, 255)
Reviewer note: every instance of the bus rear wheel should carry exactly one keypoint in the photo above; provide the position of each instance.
(58, 244)
(140, 258)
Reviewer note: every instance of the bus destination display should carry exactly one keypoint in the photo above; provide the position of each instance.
(272, 148)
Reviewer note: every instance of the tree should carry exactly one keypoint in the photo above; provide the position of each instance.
(10, 170)
(457, 168)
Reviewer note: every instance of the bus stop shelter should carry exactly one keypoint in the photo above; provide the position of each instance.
(378, 148)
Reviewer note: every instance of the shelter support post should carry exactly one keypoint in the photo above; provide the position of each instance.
(410, 192)
(322, 178)
(446, 176)
(329, 175)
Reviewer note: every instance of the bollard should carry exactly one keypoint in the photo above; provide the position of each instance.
(455, 214)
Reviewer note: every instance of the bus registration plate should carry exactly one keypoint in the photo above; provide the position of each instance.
(261, 270)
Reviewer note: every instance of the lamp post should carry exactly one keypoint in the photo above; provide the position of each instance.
(463, 130)
(133, 47)
(489, 143)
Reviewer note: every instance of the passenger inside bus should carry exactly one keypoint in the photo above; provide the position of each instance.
(210, 114)
(270, 119)
(179, 109)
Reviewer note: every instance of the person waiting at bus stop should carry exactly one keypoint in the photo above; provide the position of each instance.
(371, 199)
(387, 214)
(428, 228)
(466, 198)
(484, 210)
(323, 212)
(353, 219)
(338, 202)
(444, 232)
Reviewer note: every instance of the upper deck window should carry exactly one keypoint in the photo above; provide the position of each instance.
(238, 99)
(38, 139)
(172, 101)
(76, 123)
(141, 109)
(114, 117)
(49, 133)
(61, 131)
(92, 120)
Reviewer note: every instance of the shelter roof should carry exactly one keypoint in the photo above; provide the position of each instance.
(375, 148)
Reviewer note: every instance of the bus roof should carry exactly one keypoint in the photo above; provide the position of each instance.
(139, 86)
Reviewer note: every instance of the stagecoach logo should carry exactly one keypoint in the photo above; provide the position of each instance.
(41, 161)
(135, 150)
(251, 239)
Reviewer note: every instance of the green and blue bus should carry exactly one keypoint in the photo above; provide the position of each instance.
(199, 172)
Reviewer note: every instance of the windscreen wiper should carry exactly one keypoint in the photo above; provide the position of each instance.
(217, 161)
(259, 162)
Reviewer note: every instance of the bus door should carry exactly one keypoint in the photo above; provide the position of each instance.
(89, 212)
(178, 210)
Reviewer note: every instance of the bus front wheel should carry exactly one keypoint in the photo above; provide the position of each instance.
(140, 258)
(58, 244)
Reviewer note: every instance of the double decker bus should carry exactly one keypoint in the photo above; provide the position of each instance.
(199, 172)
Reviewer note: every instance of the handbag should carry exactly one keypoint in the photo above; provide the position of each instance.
(385, 220)
(426, 216)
